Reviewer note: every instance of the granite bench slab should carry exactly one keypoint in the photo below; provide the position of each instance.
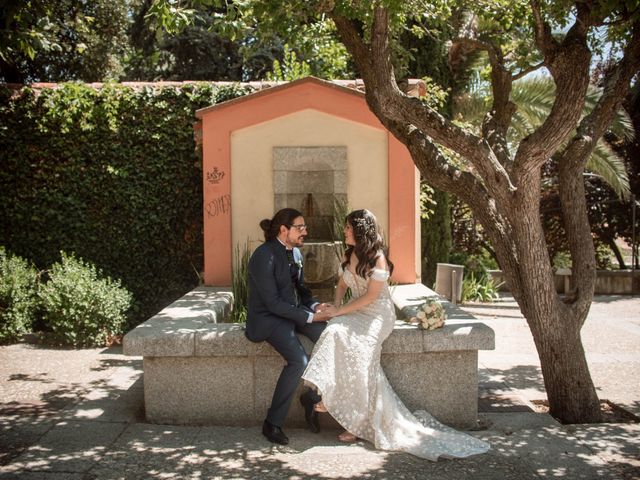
(200, 371)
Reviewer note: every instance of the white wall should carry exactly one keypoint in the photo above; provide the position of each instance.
(252, 160)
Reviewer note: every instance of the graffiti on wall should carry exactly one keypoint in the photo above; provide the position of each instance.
(215, 176)
(219, 206)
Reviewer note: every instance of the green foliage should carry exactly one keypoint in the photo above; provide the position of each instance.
(340, 212)
(320, 47)
(561, 260)
(478, 285)
(436, 97)
(436, 235)
(476, 263)
(479, 289)
(534, 98)
(290, 68)
(209, 46)
(204, 39)
(240, 283)
(18, 296)
(62, 40)
(80, 306)
(603, 257)
(111, 174)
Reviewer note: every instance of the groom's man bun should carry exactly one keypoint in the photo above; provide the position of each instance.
(285, 217)
(265, 224)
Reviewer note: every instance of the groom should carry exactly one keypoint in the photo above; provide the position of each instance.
(279, 305)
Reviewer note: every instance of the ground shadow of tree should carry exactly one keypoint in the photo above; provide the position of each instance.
(114, 442)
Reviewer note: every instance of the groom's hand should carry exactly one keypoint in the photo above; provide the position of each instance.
(323, 312)
(321, 316)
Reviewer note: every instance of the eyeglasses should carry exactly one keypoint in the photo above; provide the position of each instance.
(300, 227)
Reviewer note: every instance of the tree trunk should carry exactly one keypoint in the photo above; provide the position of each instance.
(555, 326)
(556, 334)
(616, 251)
(562, 357)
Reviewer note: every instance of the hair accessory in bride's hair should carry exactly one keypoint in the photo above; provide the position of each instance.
(365, 225)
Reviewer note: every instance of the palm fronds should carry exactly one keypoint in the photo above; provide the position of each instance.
(534, 97)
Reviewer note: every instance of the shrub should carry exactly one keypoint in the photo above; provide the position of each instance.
(18, 296)
(81, 307)
(479, 289)
(240, 286)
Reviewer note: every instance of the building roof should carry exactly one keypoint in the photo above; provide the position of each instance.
(413, 87)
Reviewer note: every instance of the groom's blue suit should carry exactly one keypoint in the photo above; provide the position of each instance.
(278, 307)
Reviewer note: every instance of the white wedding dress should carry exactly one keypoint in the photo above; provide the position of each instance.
(345, 369)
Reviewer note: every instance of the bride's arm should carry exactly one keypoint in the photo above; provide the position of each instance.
(341, 289)
(373, 290)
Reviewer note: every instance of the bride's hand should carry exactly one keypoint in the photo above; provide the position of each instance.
(323, 306)
(330, 310)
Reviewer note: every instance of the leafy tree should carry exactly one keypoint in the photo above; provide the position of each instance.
(62, 40)
(216, 40)
(290, 69)
(502, 185)
(206, 49)
(534, 98)
(609, 214)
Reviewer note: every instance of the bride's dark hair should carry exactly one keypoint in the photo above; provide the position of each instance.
(369, 242)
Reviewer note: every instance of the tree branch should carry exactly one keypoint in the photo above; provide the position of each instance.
(544, 40)
(572, 198)
(390, 105)
(497, 121)
(568, 63)
(527, 71)
(351, 38)
(436, 169)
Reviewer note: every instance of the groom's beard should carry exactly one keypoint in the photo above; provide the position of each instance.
(296, 240)
(299, 242)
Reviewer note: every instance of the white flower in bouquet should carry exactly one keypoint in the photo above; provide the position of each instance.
(431, 315)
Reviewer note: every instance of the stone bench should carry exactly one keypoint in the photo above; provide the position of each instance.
(199, 371)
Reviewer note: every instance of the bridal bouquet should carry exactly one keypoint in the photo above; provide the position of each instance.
(430, 315)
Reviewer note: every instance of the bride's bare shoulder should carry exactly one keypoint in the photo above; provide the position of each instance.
(381, 262)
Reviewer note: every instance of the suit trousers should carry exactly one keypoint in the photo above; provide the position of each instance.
(287, 344)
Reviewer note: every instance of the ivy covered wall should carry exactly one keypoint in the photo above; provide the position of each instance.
(109, 173)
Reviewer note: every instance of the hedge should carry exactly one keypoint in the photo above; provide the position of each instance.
(111, 174)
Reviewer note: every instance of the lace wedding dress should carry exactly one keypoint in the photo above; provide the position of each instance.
(345, 369)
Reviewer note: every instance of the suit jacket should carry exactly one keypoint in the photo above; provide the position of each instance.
(273, 296)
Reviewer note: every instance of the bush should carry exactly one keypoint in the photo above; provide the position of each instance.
(80, 307)
(240, 285)
(478, 285)
(480, 289)
(18, 296)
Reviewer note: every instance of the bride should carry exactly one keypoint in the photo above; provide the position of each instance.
(345, 365)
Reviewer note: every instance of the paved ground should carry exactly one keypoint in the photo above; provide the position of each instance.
(77, 414)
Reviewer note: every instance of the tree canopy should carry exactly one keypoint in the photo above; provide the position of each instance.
(62, 40)
(502, 182)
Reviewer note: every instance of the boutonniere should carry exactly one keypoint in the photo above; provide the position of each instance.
(299, 264)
